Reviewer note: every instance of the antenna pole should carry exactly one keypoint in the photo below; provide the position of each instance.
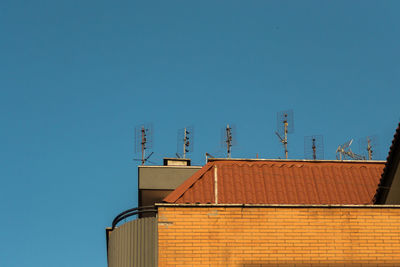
(184, 143)
(369, 149)
(285, 141)
(228, 140)
(314, 149)
(143, 144)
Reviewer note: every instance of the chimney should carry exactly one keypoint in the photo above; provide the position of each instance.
(176, 162)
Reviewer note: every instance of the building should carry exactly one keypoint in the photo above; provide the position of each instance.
(254, 212)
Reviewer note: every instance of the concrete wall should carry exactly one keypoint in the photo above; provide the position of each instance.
(283, 236)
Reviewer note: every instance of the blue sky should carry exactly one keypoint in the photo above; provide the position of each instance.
(76, 77)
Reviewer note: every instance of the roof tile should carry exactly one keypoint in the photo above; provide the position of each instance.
(282, 182)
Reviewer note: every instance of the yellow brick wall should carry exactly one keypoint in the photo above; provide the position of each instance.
(264, 236)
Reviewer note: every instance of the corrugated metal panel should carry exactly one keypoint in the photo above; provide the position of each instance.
(134, 244)
(282, 182)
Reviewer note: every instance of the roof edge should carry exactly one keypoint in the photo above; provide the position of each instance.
(274, 205)
(297, 160)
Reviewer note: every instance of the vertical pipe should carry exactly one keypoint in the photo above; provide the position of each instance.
(215, 184)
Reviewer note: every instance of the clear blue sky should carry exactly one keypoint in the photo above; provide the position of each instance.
(77, 76)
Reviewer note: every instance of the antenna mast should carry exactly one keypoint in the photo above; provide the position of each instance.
(228, 140)
(314, 147)
(185, 141)
(285, 119)
(369, 148)
(143, 141)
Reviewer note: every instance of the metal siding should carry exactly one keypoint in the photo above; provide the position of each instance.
(134, 244)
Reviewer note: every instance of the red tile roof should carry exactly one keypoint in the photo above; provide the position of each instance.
(281, 182)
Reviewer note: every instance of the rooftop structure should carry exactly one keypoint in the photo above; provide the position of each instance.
(156, 182)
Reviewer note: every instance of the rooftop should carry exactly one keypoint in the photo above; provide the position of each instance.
(271, 181)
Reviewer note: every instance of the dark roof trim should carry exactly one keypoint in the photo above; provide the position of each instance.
(392, 161)
(174, 205)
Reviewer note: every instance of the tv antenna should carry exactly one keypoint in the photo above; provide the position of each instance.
(143, 141)
(285, 125)
(369, 147)
(228, 139)
(185, 141)
(314, 147)
(344, 151)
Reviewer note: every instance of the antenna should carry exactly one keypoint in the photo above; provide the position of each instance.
(143, 141)
(185, 141)
(369, 147)
(344, 151)
(314, 147)
(228, 139)
(285, 125)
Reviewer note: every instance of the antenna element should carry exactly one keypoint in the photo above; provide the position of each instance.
(228, 139)
(344, 151)
(314, 147)
(285, 125)
(143, 141)
(185, 141)
(369, 147)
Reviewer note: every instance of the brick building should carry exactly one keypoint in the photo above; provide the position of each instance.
(271, 213)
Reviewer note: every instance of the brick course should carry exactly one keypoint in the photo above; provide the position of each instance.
(274, 236)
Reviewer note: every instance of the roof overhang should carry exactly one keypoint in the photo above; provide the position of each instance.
(391, 173)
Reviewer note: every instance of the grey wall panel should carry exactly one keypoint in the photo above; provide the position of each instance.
(134, 244)
(164, 177)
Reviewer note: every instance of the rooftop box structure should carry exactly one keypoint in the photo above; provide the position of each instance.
(156, 182)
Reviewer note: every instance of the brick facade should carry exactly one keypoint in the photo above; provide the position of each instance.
(278, 236)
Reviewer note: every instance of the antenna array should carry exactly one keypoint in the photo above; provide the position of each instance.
(185, 141)
(143, 141)
(344, 151)
(228, 138)
(369, 147)
(314, 147)
(285, 125)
